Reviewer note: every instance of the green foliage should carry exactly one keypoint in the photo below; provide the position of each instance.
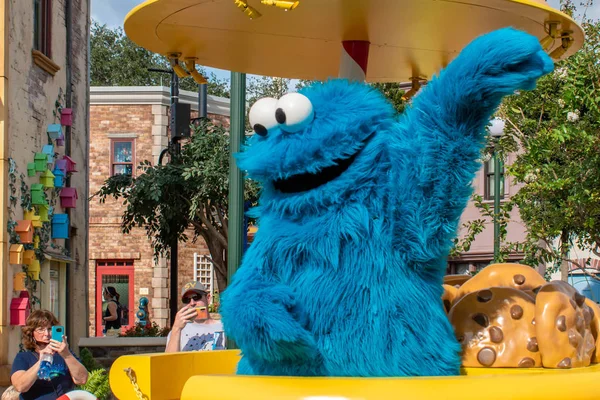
(189, 192)
(97, 384)
(555, 131)
(117, 61)
(139, 330)
(88, 360)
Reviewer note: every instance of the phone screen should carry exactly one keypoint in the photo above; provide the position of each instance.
(57, 333)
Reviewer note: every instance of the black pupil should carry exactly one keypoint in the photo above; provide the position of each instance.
(280, 116)
(260, 129)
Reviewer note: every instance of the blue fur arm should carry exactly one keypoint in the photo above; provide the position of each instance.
(264, 319)
(442, 134)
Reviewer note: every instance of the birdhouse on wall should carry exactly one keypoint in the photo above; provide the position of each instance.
(44, 213)
(35, 219)
(70, 164)
(41, 162)
(19, 309)
(28, 257)
(49, 151)
(54, 131)
(24, 229)
(19, 281)
(33, 270)
(66, 117)
(61, 140)
(59, 177)
(36, 242)
(47, 179)
(68, 197)
(16, 254)
(31, 169)
(62, 165)
(38, 197)
(60, 226)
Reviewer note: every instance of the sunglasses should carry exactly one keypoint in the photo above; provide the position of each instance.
(195, 297)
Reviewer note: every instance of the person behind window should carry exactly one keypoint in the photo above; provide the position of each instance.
(65, 372)
(114, 311)
(193, 328)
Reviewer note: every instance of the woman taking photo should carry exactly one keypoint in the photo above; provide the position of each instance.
(65, 371)
(112, 315)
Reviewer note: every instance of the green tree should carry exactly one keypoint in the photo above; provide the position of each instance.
(555, 130)
(190, 192)
(117, 61)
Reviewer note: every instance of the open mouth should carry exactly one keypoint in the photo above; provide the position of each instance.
(307, 181)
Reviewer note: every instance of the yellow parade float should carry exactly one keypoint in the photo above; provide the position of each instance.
(400, 41)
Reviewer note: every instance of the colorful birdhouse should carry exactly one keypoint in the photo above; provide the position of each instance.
(19, 281)
(33, 270)
(19, 309)
(24, 229)
(60, 141)
(36, 242)
(41, 162)
(60, 226)
(49, 151)
(59, 177)
(38, 197)
(28, 256)
(68, 197)
(47, 179)
(35, 219)
(16, 253)
(62, 165)
(44, 213)
(70, 164)
(54, 131)
(66, 117)
(31, 169)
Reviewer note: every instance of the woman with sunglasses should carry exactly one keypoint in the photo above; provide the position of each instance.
(65, 371)
(193, 328)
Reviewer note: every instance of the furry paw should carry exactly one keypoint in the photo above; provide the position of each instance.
(267, 326)
(505, 60)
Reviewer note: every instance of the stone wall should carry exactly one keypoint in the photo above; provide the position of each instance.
(106, 350)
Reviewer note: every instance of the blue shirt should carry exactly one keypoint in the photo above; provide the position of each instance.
(61, 382)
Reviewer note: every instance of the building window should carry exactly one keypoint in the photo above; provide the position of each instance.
(120, 275)
(489, 180)
(122, 156)
(42, 20)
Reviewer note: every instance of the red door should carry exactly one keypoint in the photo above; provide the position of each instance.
(118, 274)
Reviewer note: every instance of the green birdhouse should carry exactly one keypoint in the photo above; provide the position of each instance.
(41, 162)
(31, 169)
(47, 179)
(43, 211)
(38, 197)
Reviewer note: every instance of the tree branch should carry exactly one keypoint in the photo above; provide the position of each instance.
(211, 229)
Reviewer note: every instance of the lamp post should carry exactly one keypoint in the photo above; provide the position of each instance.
(496, 129)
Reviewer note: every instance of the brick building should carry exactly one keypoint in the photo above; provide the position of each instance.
(129, 125)
(43, 64)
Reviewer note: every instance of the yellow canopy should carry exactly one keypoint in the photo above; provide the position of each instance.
(409, 38)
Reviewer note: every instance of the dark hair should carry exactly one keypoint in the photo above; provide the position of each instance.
(37, 319)
(113, 292)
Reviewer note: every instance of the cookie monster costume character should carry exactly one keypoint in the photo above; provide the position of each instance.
(357, 214)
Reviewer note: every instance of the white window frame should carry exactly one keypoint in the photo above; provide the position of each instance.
(204, 272)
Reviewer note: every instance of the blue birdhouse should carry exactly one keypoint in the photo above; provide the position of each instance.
(41, 162)
(38, 197)
(54, 131)
(60, 226)
(59, 177)
(49, 151)
(31, 169)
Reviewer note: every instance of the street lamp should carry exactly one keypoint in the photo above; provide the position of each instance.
(496, 129)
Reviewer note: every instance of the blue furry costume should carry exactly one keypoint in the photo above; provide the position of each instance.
(357, 216)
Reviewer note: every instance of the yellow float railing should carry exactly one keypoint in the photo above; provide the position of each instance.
(209, 375)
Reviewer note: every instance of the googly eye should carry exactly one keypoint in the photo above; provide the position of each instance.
(262, 115)
(294, 112)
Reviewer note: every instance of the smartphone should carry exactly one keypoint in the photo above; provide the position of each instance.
(57, 333)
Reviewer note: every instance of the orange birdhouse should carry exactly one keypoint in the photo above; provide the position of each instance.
(19, 281)
(24, 229)
(16, 254)
(28, 256)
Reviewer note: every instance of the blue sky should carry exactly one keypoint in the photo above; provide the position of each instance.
(113, 12)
